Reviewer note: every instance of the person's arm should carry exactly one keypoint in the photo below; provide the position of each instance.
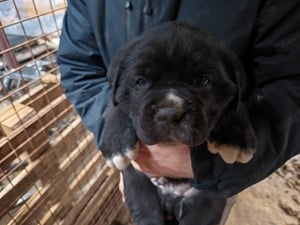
(83, 74)
(274, 105)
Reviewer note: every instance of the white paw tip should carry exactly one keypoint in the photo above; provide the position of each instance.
(121, 162)
(229, 155)
(110, 163)
(244, 157)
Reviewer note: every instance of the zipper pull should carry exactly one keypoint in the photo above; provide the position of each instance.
(128, 5)
(128, 8)
(148, 8)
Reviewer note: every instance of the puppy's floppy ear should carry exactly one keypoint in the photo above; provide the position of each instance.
(115, 71)
(237, 75)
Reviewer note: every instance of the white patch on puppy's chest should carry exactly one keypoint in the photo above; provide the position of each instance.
(175, 99)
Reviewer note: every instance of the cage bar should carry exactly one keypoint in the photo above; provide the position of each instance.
(50, 169)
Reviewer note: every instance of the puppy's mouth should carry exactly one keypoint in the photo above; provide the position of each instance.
(171, 120)
(169, 139)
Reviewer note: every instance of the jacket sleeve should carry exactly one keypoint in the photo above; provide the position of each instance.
(273, 106)
(83, 74)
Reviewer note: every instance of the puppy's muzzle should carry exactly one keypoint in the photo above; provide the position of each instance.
(169, 115)
(169, 110)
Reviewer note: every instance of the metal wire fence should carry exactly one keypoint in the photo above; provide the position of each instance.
(50, 169)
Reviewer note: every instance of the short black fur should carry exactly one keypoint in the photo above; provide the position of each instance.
(207, 80)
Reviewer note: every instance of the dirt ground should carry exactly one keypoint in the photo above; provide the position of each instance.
(274, 201)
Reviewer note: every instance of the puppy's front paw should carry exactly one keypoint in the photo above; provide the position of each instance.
(122, 159)
(119, 141)
(231, 154)
(233, 138)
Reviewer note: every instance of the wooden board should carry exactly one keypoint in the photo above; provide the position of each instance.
(34, 133)
(74, 185)
(31, 205)
(97, 200)
(14, 116)
(46, 97)
(18, 186)
(33, 93)
(50, 78)
(64, 193)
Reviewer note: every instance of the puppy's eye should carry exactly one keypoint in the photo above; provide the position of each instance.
(203, 81)
(142, 82)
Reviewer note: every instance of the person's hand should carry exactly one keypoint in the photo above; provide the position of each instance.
(174, 160)
(164, 160)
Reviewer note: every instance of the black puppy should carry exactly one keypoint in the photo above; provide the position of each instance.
(174, 84)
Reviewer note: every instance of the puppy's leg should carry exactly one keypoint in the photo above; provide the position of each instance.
(234, 130)
(119, 141)
(202, 208)
(142, 198)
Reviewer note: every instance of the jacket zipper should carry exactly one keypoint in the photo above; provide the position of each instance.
(128, 7)
(148, 11)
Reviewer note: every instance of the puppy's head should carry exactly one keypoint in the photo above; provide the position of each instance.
(174, 81)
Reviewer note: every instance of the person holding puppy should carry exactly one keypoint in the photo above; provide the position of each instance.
(263, 34)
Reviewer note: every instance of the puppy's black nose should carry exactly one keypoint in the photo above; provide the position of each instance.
(169, 114)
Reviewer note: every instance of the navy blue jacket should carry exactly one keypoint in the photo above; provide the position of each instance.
(264, 34)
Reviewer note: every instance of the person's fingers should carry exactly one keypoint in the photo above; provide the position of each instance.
(121, 187)
(145, 162)
(136, 166)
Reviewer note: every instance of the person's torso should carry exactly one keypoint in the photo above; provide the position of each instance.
(231, 21)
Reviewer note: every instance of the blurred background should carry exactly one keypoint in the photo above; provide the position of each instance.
(50, 169)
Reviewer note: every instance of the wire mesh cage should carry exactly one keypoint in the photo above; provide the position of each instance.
(50, 169)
